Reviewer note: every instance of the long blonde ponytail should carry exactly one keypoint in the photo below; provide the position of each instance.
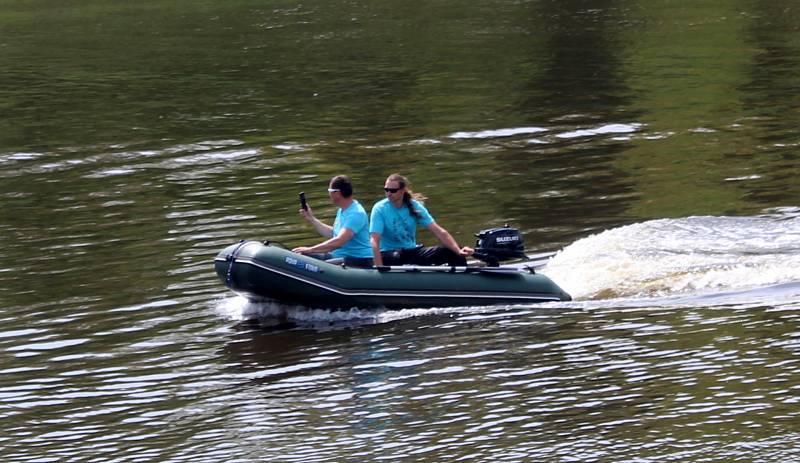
(408, 195)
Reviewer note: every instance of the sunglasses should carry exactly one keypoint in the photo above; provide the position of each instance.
(331, 190)
(391, 190)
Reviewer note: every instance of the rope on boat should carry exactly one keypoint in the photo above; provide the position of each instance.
(231, 258)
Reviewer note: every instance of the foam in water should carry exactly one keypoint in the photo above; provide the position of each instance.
(681, 256)
(499, 133)
(605, 129)
(240, 309)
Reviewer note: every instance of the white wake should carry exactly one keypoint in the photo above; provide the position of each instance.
(670, 257)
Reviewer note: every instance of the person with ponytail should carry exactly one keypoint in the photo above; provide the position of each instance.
(393, 230)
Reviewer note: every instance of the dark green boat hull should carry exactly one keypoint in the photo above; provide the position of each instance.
(264, 272)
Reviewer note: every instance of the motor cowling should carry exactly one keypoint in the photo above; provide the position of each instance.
(498, 244)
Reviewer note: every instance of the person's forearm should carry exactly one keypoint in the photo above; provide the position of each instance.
(322, 229)
(450, 242)
(375, 242)
(329, 245)
(447, 240)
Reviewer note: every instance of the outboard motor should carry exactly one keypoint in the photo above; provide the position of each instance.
(498, 244)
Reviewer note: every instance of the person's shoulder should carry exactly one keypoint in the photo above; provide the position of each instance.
(418, 205)
(380, 204)
(359, 207)
(425, 218)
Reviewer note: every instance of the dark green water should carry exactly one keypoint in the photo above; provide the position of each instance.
(654, 143)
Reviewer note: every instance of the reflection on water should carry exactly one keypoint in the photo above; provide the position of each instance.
(654, 145)
(522, 381)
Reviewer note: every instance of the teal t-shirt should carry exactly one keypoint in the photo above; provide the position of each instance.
(396, 225)
(355, 219)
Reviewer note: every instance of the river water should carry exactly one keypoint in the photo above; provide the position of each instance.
(653, 144)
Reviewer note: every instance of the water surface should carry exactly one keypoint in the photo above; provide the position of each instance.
(652, 144)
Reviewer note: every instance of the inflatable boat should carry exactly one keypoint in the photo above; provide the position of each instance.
(263, 271)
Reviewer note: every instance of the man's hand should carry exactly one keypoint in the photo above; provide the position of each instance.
(307, 214)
